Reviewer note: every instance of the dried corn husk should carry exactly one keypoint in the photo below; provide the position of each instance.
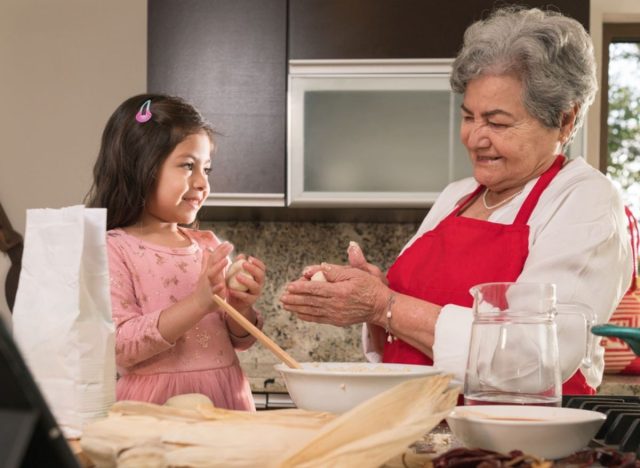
(229, 434)
(301, 418)
(143, 456)
(379, 428)
(204, 436)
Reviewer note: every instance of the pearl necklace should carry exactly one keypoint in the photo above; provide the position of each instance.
(491, 207)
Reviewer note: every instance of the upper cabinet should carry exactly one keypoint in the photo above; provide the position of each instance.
(228, 57)
(376, 29)
(382, 29)
(270, 75)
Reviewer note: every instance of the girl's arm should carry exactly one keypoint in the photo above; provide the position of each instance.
(140, 336)
(176, 320)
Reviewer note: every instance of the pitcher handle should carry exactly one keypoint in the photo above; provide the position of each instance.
(589, 317)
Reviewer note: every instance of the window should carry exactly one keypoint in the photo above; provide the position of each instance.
(620, 122)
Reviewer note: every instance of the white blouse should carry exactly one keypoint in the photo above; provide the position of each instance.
(578, 240)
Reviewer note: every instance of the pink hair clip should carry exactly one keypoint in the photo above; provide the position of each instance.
(144, 114)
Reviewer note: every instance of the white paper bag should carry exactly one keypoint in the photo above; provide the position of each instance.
(62, 314)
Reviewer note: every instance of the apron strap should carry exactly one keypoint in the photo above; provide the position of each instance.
(466, 201)
(545, 179)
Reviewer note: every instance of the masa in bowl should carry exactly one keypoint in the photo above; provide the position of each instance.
(542, 431)
(337, 387)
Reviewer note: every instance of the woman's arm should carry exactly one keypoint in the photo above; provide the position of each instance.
(351, 296)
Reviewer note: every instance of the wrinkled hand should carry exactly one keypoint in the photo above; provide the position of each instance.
(349, 296)
(244, 300)
(211, 280)
(358, 260)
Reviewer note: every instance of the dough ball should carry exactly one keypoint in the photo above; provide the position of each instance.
(233, 283)
(189, 401)
(318, 276)
(234, 270)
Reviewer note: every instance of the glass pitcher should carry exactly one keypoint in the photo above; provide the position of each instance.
(513, 352)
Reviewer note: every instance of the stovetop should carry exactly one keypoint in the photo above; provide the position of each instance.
(621, 429)
(269, 399)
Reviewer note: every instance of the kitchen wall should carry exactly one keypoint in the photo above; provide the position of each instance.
(64, 67)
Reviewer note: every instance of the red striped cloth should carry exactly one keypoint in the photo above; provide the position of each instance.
(618, 357)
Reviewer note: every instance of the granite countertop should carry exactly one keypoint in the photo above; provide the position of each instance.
(616, 384)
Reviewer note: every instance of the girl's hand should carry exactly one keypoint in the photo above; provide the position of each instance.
(211, 281)
(253, 280)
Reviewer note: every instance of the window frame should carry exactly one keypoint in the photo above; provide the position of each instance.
(611, 33)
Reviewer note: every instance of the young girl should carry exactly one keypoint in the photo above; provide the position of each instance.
(152, 176)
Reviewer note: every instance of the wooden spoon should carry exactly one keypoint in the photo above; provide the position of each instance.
(255, 331)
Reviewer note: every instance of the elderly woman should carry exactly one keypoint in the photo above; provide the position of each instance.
(528, 214)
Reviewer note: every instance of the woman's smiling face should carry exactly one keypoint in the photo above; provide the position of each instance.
(507, 146)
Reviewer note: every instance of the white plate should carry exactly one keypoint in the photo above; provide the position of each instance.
(547, 432)
(339, 386)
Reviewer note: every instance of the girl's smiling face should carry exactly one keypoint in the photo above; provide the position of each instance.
(507, 146)
(182, 183)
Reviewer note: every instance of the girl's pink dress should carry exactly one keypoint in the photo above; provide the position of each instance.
(146, 279)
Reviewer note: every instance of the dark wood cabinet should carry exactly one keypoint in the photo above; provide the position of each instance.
(379, 29)
(228, 57)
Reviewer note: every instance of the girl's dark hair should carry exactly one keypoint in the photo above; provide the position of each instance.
(131, 153)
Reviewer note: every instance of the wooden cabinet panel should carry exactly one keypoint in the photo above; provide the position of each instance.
(228, 57)
(375, 29)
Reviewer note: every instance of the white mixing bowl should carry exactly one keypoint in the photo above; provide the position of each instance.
(339, 386)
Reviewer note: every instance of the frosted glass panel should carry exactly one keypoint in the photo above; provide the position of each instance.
(461, 164)
(377, 141)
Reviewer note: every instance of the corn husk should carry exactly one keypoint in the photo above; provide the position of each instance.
(200, 412)
(375, 431)
(379, 428)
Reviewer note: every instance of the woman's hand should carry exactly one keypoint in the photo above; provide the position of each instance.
(358, 260)
(349, 296)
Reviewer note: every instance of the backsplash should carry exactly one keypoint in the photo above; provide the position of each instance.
(286, 248)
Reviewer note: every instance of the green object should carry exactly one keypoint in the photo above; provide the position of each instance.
(627, 334)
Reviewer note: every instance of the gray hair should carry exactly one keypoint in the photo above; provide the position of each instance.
(551, 54)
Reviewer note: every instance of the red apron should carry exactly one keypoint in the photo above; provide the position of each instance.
(443, 264)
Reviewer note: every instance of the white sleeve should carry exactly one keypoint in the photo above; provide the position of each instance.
(452, 337)
(370, 352)
(583, 247)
